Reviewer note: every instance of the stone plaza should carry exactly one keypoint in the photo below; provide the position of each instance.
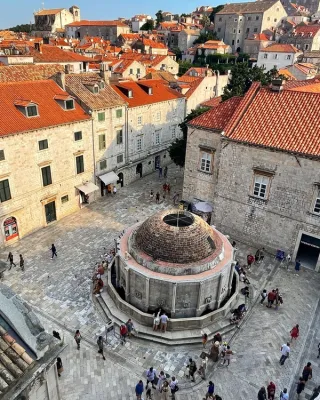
(60, 292)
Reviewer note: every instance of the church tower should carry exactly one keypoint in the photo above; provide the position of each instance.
(75, 11)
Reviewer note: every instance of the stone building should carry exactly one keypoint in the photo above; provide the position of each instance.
(278, 56)
(51, 22)
(28, 354)
(304, 37)
(237, 21)
(108, 30)
(186, 38)
(46, 165)
(213, 47)
(259, 166)
(255, 43)
(311, 5)
(149, 46)
(153, 115)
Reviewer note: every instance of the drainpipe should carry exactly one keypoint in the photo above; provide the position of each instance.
(93, 149)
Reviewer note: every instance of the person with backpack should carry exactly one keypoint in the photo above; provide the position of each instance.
(262, 394)
(227, 356)
(284, 395)
(192, 368)
(100, 346)
(139, 389)
(263, 296)
(174, 387)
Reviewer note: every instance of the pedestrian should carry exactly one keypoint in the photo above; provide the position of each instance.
(294, 333)
(175, 198)
(165, 391)
(300, 386)
(262, 394)
(53, 251)
(56, 335)
(151, 195)
(297, 267)
(271, 298)
(217, 338)
(284, 394)
(114, 189)
(214, 351)
(259, 256)
(204, 340)
(278, 297)
(250, 260)
(161, 379)
(210, 391)
(139, 389)
(123, 333)
(151, 374)
(288, 260)
(130, 327)
(10, 259)
(100, 346)
(227, 356)
(263, 296)
(164, 322)
(192, 368)
(174, 387)
(307, 372)
(21, 262)
(168, 189)
(59, 366)
(156, 322)
(285, 351)
(157, 197)
(165, 172)
(160, 172)
(318, 356)
(77, 338)
(271, 389)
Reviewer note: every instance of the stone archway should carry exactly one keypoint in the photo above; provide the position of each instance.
(10, 227)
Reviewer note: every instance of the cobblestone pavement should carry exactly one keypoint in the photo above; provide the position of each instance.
(60, 291)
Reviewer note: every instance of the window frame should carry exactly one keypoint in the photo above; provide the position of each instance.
(102, 161)
(119, 113)
(33, 106)
(262, 176)
(64, 199)
(102, 141)
(75, 138)
(157, 138)
(46, 178)
(316, 202)
(120, 136)
(139, 140)
(2, 155)
(203, 164)
(69, 101)
(139, 118)
(101, 116)
(43, 148)
(5, 190)
(81, 164)
(119, 155)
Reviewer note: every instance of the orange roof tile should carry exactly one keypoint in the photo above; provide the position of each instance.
(281, 48)
(53, 54)
(218, 117)
(287, 74)
(310, 30)
(85, 22)
(214, 102)
(312, 88)
(161, 92)
(17, 73)
(188, 78)
(49, 12)
(42, 92)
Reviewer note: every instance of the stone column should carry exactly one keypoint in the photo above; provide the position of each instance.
(231, 273)
(117, 261)
(218, 301)
(147, 297)
(173, 304)
(127, 273)
(198, 312)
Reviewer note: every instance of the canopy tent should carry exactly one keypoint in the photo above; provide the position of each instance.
(109, 177)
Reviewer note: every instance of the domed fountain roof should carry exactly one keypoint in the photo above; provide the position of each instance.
(176, 236)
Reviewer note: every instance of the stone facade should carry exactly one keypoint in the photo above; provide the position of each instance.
(253, 46)
(186, 38)
(303, 42)
(107, 31)
(269, 59)
(49, 22)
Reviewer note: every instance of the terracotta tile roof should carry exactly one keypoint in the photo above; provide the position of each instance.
(153, 44)
(130, 36)
(193, 86)
(164, 75)
(161, 92)
(311, 54)
(311, 88)
(49, 12)
(187, 78)
(287, 74)
(106, 98)
(192, 32)
(305, 68)
(214, 102)
(294, 84)
(243, 8)
(307, 30)
(259, 36)
(122, 66)
(85, 22)
(201, 71)
(149, 60)
(17, 73)
(289, 120)
(52, 54)
(41, 92)
(217, 118)
(280, 48)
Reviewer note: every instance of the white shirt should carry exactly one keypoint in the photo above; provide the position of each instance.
(173, 384)
(164, 318)
(285, 396)
(284, 350)
(151, 375)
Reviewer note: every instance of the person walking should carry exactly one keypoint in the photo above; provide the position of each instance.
(139, 389)
(262, 394)
(297, 267)
(263, 296)
(77, 338)
(300, 386)
(285, 351)
(21, 262)
(59, 366)
(294, 333)
(123, 333)
(130, 327)
(307, 372)
(114, 189)
(192, 368)
(271, 389)
(165, 390)
(10, 259)
(161, 379)
(227, 356)
(151, 194)
(100, 346)
(164, 322)
(259, 256)
(210, 391)
(56, 335)
(271, 298)
(53, 251)
(151, 374)
(204, 340)
(160, 172)
(157, 197)
(250, 260)
(174, 387)
(284, 395)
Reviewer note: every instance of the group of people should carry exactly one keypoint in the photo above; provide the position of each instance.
(12, 263)
(160, 321)
(159, 382)
(126, 330)
(274, 297)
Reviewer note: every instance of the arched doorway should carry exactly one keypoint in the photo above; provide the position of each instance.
(10, 228)
(139, 169)
(120, 180)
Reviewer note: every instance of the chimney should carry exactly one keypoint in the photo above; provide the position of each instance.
(276, 85)
(104, 72)
(60, 78)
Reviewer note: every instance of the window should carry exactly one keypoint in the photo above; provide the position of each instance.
(288, 57)
(43, 144)
(257, 17)
(255, 30)
(306, 47)
(219, 29)
(46, 176)
(131, 71)
(173, 132)
(205, 164)
(103, 165)
(234, 31)
(139, 144)
(276, 56)
(249, 18)
(69, 104)
(78, 136)
(261, 184)
(248, 30)
(232, 43)
(5, 193)
(238, 40)
(158, 116)
(138, 70)
(64, 199)
(275, 20)
(220, 19)
(268, 19)
(101, 85)
(101, 116)
(239, 31)
(120, 158)
(316, 204)
(2, 157)
(79, 164)
(157, 137)
(119, 137)
(119, 113)
(130, 94)
(235, 20)
(32, 111)
(102, 142)
(265, 56)
(95, 89)
(140, 120)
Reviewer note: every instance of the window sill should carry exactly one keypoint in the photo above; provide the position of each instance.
(204, 172)
(263, 200)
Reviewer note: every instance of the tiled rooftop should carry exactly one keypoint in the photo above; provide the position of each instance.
(53, 54)
(281, 48)
(16, 73)
(251, 7)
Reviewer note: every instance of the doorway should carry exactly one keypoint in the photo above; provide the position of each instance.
(120, 180)
(102, 188)
(157, 162)
(10, 228)
(139, 169)
(50, 210)
(309, 251)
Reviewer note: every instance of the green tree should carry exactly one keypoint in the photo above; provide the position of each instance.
(204, 37)
(214, 12)
(148, 26)
(22, 28)
(177, 150)
(205, 22)
(159, 17)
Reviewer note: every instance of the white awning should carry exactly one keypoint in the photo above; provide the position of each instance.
(108, 178)
(87, 188)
